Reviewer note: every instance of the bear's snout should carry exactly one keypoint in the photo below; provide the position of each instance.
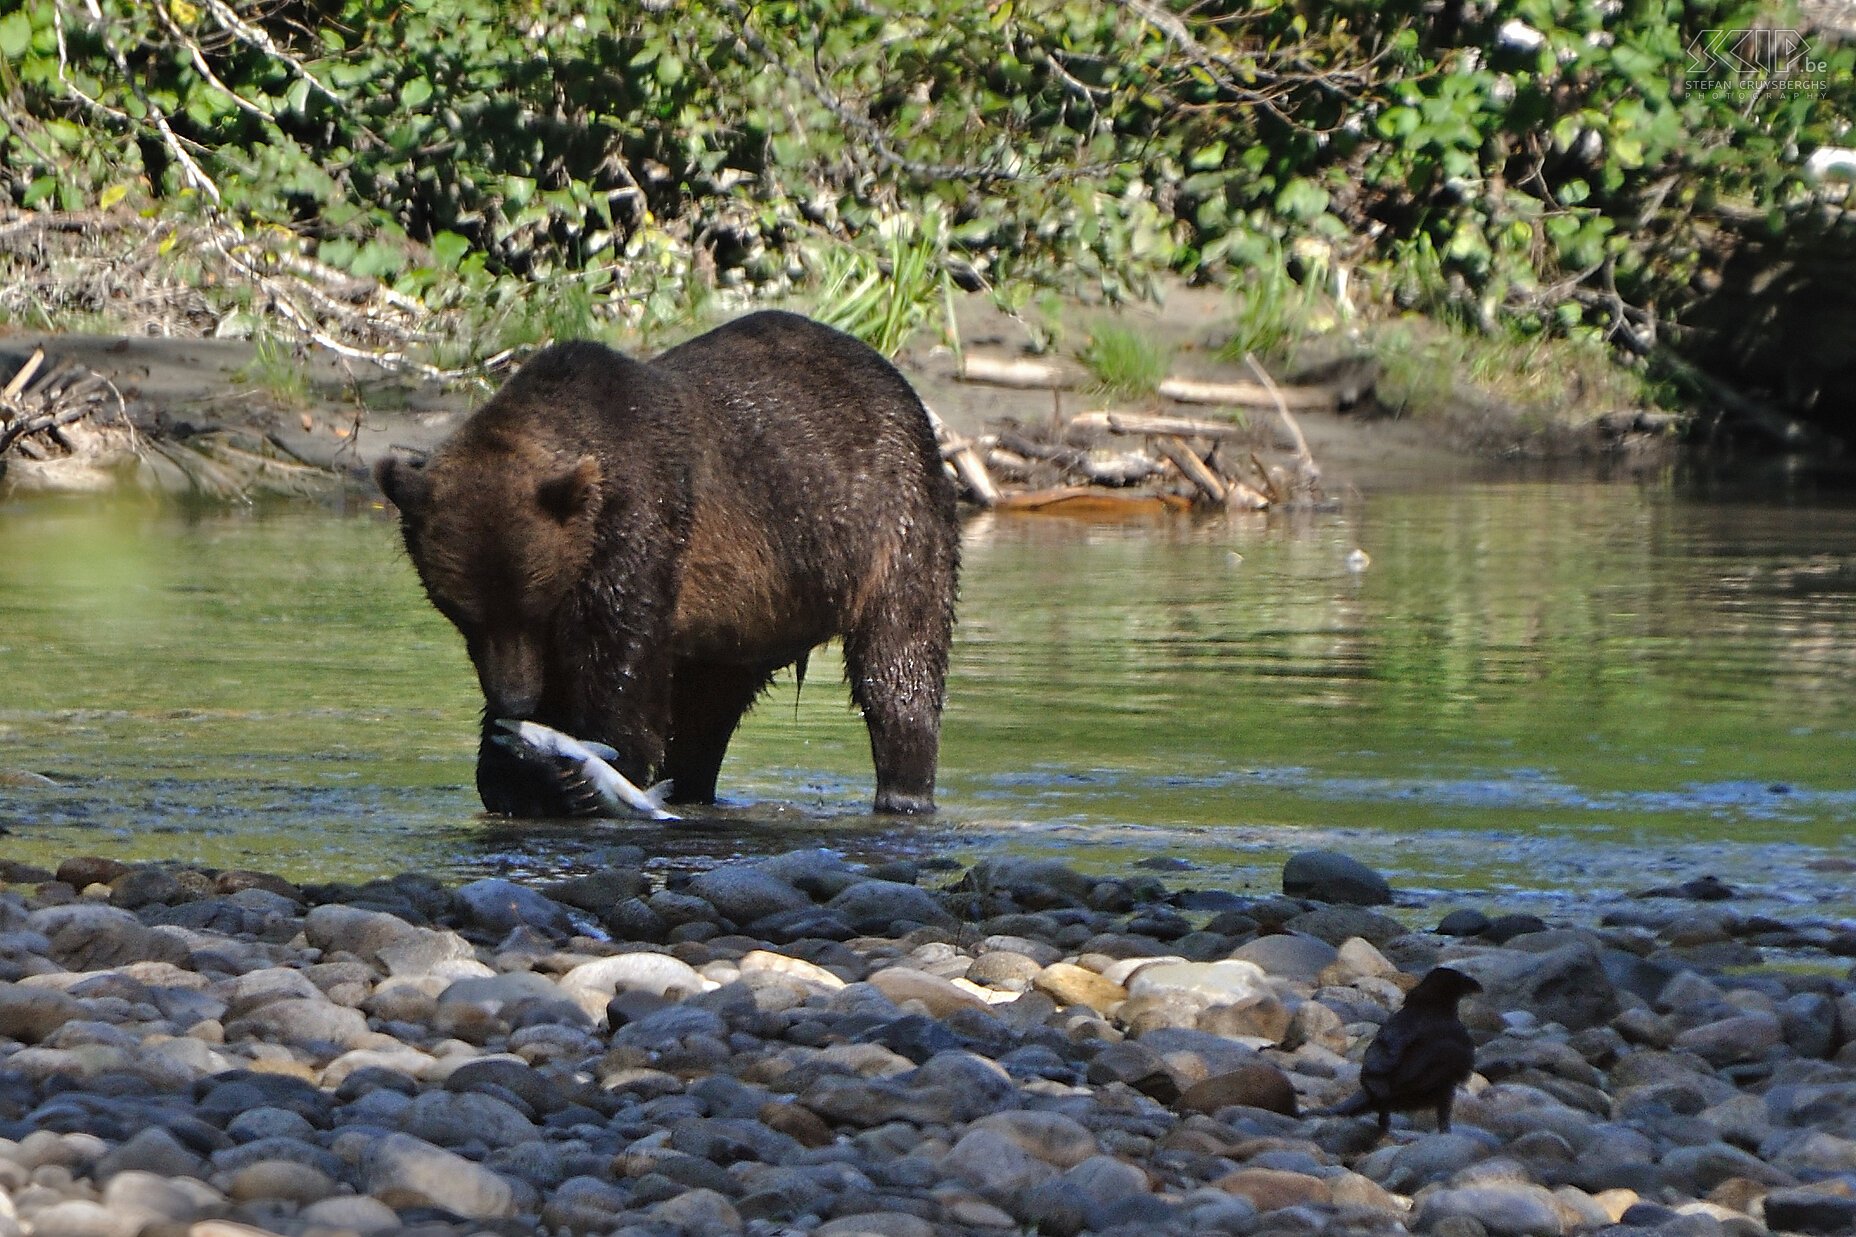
(510, 672)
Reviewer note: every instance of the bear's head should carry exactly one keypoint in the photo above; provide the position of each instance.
(501, 533)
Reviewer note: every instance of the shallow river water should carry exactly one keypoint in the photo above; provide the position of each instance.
(1537, 690)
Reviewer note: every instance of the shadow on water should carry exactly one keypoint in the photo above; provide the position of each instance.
(1533, 687)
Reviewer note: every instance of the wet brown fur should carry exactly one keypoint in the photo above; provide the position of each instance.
(631, 549)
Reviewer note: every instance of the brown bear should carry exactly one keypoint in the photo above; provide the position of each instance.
(631, 549)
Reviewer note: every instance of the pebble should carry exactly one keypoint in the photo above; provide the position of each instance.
(799, 1044)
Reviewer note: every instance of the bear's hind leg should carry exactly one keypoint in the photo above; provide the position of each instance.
(897, 665)
(708, 700)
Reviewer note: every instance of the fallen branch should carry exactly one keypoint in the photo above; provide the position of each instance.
(966, 460)
(1305, 467)
(1248, 394)
(1018, 372)
(1191, 467)
(1145, 423)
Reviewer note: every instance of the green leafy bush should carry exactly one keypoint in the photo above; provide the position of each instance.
(1550, 160)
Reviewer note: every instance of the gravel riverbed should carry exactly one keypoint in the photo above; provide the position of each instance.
(801, 1045)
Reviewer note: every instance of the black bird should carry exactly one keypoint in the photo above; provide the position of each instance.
(1420, 1054)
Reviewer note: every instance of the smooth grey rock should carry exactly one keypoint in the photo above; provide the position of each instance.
(493, 993)
(1567, 985)
(994, 1164)
(1808, 1210)
(745, 892)
(155, 1196)
(585, 1205)
(386, 940)
(31, 1014)
(403, 1171)
(1208, 983)
(1429, 1159)
(301, 1022)
(815, 871)
(1049, 1136)
(1502, 1210)
(1036, 884)
(355, 1212)
(153, 1150)
(1288, 955)
(656, 973)
(267, 1122)
(1338, 924)
(699, 1211)
(459, 1118)
(246, 992)
(78, 1217)
(1329, 876)
(1103, 1179)
(287, 1150)
(1747, 1037)
(500, 907)
(873, 905)
(88, 936)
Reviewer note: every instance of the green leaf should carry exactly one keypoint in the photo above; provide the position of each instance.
(15, 35)
(449, 249)
(415, 93)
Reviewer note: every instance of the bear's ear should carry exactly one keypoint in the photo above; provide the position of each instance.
(404, 482)
(571, 493)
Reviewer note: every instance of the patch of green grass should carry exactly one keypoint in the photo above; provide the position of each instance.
(279, 369)
(1125, 363)
(1551, 379)
(884, 298)
(1269, 315)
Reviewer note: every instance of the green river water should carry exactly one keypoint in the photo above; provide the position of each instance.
(1537, 690)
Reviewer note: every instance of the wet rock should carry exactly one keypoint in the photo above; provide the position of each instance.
(87, 870)
(1338, 924)
(1463, 922)
(745, 892)
(873, 906)
(1329, 876)
(498, 907)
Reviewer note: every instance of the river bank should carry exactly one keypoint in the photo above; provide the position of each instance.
(799, 1045)
(1420, 403)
